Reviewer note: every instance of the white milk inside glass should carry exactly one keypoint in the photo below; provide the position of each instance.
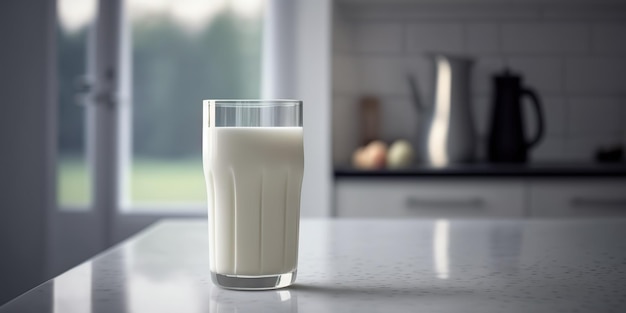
(254, 177)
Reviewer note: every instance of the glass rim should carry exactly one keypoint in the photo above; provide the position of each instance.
(254, 103)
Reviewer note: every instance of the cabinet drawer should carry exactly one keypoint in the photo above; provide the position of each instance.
(429, 198)
(583, 198)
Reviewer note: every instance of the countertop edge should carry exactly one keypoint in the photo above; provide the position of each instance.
(486, 171)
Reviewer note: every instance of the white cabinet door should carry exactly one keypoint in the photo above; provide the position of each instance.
(430, 198)
(578, 198)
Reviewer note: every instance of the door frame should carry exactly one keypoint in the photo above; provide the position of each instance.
(75, 235)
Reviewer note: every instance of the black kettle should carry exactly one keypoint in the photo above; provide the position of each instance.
(507, 142)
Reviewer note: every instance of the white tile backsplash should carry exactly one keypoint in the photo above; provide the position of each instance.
(378, 38)
(435, 37)
(554, 115)
(400, 116)
(604, 38)
(482, 114)
(550, 148)
(482, 37)
(344, 73)
(623, 122)
(385, 76)
(602, 11)
(574, 56)
(482, 74)
(343, 35)
(555, 112)
(595, 76)
(382, 75)
(439, 11)
(346, 126)
(538, 37)
(594, 116)
(544, 74)
(583, 148)
(422, 69)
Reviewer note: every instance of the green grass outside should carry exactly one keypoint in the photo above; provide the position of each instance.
(73, 186)
(152, 181)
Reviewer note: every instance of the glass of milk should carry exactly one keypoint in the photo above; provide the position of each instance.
(253, 163)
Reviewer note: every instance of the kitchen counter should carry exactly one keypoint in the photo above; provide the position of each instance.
(491, 170)
(363, 266)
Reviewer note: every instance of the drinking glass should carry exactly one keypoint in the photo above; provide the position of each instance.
(253, 160)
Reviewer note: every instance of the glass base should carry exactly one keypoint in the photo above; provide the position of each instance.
(242, 282)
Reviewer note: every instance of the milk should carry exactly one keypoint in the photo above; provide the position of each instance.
(254, 177)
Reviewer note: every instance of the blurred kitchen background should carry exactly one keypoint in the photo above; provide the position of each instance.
(571, 53)
(100, 127)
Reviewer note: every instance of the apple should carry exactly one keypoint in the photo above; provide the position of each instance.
(400, 154)
(372, 156)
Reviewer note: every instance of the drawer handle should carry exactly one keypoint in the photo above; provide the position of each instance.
(471, 203)
(580, 202)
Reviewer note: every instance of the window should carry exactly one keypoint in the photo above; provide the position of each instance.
(179, 52)
(183, 52)
(74, 183)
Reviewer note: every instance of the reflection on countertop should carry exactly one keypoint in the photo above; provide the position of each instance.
(366, 266)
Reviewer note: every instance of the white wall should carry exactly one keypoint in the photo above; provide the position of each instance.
(296, 64)
(313, 87)
(574, 54)
(26, 94)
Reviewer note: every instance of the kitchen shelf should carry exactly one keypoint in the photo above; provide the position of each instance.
(491, 170)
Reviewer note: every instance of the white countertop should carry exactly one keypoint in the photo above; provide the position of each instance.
(363, 266)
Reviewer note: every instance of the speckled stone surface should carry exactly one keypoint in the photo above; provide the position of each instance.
(364, 266)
